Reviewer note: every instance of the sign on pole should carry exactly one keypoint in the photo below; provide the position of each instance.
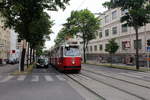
(148, 57)
(148, 49)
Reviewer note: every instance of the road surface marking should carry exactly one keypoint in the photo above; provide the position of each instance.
(48, 78)
(6, 79)
(35, 78)
(60, 78)
(21, 78)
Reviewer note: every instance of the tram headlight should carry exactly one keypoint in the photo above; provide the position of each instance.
(73, 62)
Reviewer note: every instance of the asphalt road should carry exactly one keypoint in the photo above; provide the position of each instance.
(42, 84)
(49, 84)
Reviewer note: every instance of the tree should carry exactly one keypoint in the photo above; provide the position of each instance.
(112, 48)
(85, 23)
(62, 34)
(137, 15)
(21, 14)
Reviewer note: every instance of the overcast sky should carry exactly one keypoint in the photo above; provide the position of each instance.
(95, 6)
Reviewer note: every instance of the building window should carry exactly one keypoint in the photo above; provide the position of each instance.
(126, 44)
(107, 32)
(95, 48)
(124, 28)
(123, 12)
(100, 35)
(139, 44)
(100, 47)
(91, 49)
(114, 30)
(123, 45)
(81, 42)
(106, 45)
(96, 34)
(106, 19)
(114, 15)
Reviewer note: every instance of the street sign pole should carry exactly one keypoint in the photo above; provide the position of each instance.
(148, 58)
(148, 61)
(148, 53)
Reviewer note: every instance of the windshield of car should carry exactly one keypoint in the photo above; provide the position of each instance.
(72, 51)
(41, 61)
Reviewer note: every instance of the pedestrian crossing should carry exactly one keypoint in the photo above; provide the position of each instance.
(31, 78)
(35, 78)
(21, 78)
(6, 79)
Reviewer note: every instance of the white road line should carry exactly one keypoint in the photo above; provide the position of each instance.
(35, 78)
(60, 78)
(6, 79)
(130, 75)
(48, 78)
(21, 78)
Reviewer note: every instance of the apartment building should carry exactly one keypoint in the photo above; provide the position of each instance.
(111, 27)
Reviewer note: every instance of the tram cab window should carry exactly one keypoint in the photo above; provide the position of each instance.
(72, 51)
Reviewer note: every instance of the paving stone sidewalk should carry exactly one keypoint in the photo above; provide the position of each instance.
(7, 68)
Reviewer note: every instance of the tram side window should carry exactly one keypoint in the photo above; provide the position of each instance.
(61, 51)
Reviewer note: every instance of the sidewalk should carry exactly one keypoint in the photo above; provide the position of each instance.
(7, 68)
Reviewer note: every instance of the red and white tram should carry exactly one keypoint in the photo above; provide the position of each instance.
(66, 57)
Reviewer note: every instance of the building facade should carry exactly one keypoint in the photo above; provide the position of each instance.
(111, 27)
(14, 47)
(4, 44)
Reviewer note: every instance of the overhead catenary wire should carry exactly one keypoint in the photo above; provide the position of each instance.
(83, 1)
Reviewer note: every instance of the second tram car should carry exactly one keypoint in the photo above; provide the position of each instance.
(66, 57)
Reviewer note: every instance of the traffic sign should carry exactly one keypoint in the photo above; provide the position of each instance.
(148, 48)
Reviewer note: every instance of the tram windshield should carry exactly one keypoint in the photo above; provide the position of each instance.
(72, 51)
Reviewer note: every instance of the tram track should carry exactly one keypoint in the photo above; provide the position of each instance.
(82, 76)
(148, 87)
(136, 90)
(141, 98)
(84, 86)
(136, 78)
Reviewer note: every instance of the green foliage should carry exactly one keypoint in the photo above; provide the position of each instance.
(85, 23)
(39, 52)
(28, 19)
(112, 46)
(63, 33)
(137, 11)
(40, 30)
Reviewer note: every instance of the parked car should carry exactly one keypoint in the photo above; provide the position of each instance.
(42, 63)
(12, 61)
